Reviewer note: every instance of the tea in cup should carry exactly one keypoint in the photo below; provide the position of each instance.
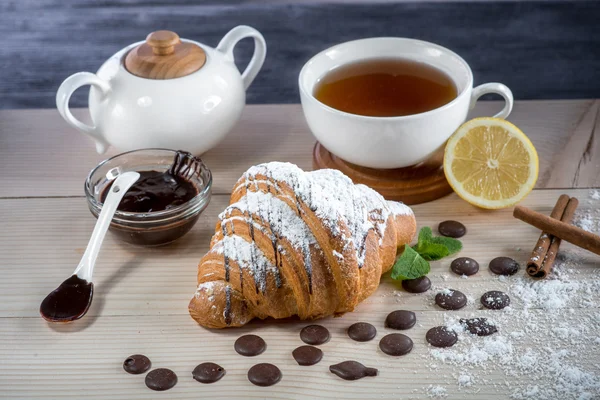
(389, 102)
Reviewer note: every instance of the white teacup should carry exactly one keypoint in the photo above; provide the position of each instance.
(391, 142)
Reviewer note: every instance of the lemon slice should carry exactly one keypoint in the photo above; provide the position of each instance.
(490, 163)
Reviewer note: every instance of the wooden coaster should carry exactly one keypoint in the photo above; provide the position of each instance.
(412, 185)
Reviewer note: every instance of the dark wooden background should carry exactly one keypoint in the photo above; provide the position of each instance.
(541, 49)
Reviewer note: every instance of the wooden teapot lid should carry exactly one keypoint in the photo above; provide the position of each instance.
(164, 56)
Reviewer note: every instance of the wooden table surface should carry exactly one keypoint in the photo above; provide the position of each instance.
(140, 304)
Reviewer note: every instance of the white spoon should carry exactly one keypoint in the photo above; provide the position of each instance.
(72, 299)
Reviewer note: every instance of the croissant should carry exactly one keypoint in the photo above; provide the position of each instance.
(291, 242)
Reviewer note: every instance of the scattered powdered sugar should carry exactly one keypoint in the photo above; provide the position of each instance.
(559, 290)
(437, 392)
(465, 380)
(569, 382)
(328, 193)
(248, 256)
(338, 255)
(589, 220)
(544, 343)
(281, 219)
(398, 208)
(333, 197)
(495, 347)
(208, 287)
(283, 222)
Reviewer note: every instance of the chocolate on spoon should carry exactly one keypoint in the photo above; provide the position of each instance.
(72, 299)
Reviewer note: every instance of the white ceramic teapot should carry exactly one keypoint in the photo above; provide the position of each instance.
(166, 93)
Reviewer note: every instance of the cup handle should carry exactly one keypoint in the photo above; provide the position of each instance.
(63, 95)
(496, 88)
(229, 41)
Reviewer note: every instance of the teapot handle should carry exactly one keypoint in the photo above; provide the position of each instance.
(63, 95)
(229, 41)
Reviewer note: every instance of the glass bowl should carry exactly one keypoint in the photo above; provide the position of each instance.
(153, 228)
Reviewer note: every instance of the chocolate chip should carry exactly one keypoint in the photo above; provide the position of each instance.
(495, 300)
(264, 374)
(250, 345)
(362, 332)
(314, 334)
(504, 266)
(440, 336)
(419, 285)
(352, 370)
(396, 344)
(137, 364)
(161, 379)
(307, 355)
(450, 299)
(400, 319)
(208, 372)
(479, 326)
(464, 266)
(452, 229)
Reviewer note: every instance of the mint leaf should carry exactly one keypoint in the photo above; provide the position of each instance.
(410, 265)
(414, 261)
(434, 248)
(453, 245)
(425, 236)
(432, 251)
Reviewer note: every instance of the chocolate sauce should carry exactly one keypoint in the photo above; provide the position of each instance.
(208, 372)
(157, 236)
(250, 345)
(136, 364)
(264, 374)
(161, 379)
(362, 332)
(352, 370)
(307, 355)
(155, 191)
(227, 312)
(69, 301)
(314, 334)
(160, 191)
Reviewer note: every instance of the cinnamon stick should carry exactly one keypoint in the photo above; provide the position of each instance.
(553, 250)
(538, 255)
(568, 232)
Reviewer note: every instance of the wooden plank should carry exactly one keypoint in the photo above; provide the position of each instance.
(42, 241)
(580, 160)
(141, 297)
(42, 156)
(39, 362)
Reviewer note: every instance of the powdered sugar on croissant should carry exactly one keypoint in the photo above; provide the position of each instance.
(291, 242)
